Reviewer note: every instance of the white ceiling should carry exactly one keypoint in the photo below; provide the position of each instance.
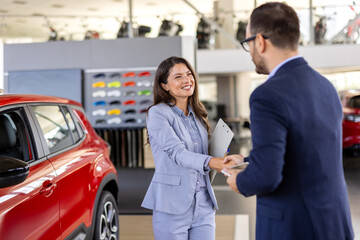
(71, 18)
(29, 20)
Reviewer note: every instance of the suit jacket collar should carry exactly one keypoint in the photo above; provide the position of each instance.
(290, 64)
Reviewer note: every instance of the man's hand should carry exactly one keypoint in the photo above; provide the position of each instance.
(231, 180)
(218, 164)
(237, 159)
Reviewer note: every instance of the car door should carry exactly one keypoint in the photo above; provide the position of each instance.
(29, 210)
(72, 162)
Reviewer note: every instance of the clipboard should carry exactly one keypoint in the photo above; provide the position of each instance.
(219, 142)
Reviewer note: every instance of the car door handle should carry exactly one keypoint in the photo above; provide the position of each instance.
(48, 188)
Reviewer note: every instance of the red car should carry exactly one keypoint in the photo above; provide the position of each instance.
(351, 122)
(56, 177)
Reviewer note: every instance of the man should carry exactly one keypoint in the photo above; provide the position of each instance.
(295, 167)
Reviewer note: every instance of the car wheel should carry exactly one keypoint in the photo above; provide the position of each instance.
(107, 218)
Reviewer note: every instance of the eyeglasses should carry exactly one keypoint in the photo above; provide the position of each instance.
(244, 43)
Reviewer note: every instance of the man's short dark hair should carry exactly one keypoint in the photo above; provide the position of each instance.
(279, 22)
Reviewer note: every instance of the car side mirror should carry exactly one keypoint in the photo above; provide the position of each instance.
(12, 171)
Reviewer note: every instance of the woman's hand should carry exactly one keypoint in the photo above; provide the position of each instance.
(236, 159)
(219, 163)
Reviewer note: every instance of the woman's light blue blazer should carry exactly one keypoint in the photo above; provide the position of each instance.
(172, 187)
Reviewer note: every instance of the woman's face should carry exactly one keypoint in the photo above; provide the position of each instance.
(180, 83)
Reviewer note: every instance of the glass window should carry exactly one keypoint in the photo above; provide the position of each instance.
(54, 127)
(14, 141)
(71, 123)
(354, 102)
(77, 123)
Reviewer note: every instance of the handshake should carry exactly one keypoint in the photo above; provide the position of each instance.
(228, 164)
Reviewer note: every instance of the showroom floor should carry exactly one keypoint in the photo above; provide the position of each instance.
(235, 219)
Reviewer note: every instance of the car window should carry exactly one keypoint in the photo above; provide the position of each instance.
(54, 127)
(71, 123)
(15, 139)
(77, 124)
(354, 102)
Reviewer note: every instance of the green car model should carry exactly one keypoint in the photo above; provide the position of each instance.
(144, 92)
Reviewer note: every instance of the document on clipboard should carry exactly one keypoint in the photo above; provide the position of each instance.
(219, 142)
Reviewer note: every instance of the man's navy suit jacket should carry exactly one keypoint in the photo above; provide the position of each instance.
(295, 165)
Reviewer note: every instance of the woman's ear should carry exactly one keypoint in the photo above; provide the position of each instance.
(164, 86)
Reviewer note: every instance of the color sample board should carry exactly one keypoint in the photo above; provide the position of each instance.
(118, 98)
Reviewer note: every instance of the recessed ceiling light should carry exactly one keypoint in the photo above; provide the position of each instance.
(57, 6)
(37, 14)
(92, 9)
(20, 20)
(19, 2)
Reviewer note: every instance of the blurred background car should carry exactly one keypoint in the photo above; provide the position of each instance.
(56, 177)
(350, 101)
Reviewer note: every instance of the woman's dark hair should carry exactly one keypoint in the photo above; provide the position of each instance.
(162, 96)
(279, 22)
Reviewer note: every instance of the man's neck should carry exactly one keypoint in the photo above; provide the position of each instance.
(278, 56)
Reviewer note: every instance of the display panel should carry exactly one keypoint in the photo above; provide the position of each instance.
(118, 98)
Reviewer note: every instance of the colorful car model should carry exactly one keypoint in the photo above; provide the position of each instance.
(56, 177)
(351, 123)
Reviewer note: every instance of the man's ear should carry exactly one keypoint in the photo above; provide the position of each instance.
(164, 86)
(260, 43)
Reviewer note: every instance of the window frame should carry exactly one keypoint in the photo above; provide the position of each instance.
(41, 134)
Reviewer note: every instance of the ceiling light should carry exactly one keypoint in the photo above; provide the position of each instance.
(37, 14)
(57, 6)
(19, 2)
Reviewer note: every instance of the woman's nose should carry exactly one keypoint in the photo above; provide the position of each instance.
(186, 79)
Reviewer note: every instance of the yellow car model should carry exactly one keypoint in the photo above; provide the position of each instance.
(98, 84)
(114, 112)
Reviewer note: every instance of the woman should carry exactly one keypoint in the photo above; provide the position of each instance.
(180, 193)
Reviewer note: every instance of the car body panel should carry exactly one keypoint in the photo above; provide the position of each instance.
(27, 205)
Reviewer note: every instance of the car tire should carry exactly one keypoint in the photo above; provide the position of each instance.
(107, 218)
